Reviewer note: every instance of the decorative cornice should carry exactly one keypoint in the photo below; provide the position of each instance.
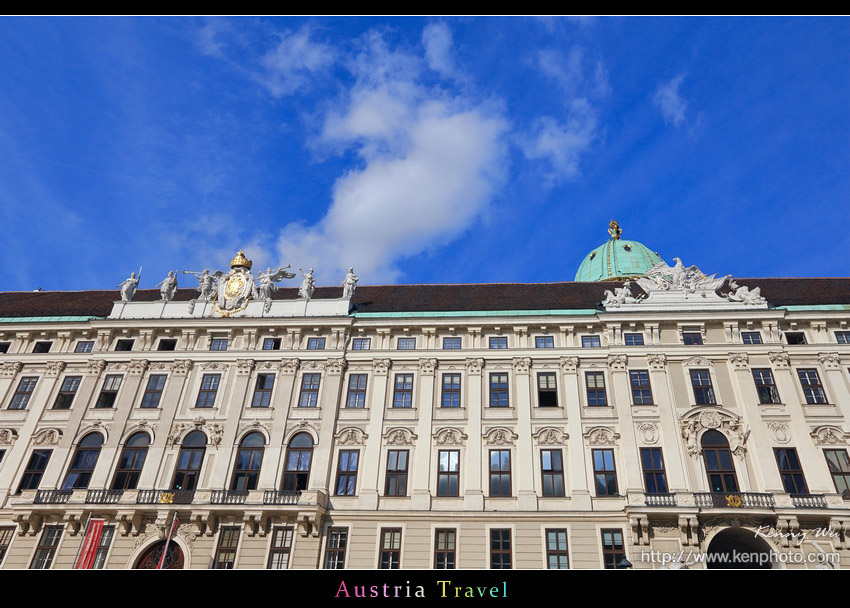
(181, 367)
(830, 360)
(698, 362)
(474, 365)
(450, 437)
(551, 436)
(381, 366)
(657, 362)
(618, 362)
(335, 366)
(569, 365)
(739, 360)
(521, 365)
(95, 367)
(427, 366)
(54, 368)
(290, 366)
(8, 436)
(780, 359)
(47, 437)
(11, 369)
(500, 436)
(244, 367)
(399, 436)
(351, 436)
(601, 436)
(829, 435)
(137, 367)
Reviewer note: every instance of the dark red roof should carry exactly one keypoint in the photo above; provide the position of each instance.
(417, 298)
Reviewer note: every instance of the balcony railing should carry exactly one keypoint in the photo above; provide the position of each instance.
(281, 497)
(734, 500)
(809, 501)
(660, 500)
(228, 497)
(104, 496)
(165, 497)
(52, 497)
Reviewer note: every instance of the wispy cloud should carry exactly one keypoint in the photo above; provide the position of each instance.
(437, 40)
(293, 61)
(670, 102)
(431, 164)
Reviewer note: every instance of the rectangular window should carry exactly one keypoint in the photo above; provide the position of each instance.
(701, 381)
(451, 390)
(500, 549)
(218, 344)
(751, 337)
(403, 391)
(795, 337)
(812, 388)
(544, 342)
(448, 472)
(406, 344)
(613, 549)
(396, 484)
(66, 392)
(390, 555)
(595, 384)
(153, 391)
(106, 534)
(84, 346)
(547, 390)
(209, 388)
(653, 470)
(23, 393)
(839, 467)
(451, 343)
(225, 553)
(356, 391)
(46, 549)
(167, 344)
(633, 339)
(361, 344)
(791, 471)
(309, 390)
(445, 541)
(109, 391)
(124, 345)
(6, 534)
(271, 343)
(335, 549)
(557, 555)
(35, 469)
(263, 390)
(552, 465)
(500, 472)
(42, 347)
(346, 472)
(604, 472)
(843, 337)
(692, 338)
(590, 342)
(315, 343)
(4, 347)
(765, 386)
(641, 391)
(499, 389)
(281, 547)
(499, 342)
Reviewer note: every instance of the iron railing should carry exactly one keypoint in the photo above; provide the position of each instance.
(52, 497)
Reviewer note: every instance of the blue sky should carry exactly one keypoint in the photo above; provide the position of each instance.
(420, 150)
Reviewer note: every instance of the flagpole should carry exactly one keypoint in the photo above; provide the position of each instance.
(82, 540)
(167, 540)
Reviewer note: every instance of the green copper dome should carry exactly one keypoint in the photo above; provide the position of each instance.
(616, 259)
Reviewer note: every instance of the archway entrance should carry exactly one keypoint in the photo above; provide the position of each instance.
(150, 558)
(736, 549)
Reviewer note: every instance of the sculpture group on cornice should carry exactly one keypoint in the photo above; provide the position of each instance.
(230, 292)
(663, 283)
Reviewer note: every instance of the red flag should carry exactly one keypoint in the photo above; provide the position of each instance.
(88, 552)
(174, 524)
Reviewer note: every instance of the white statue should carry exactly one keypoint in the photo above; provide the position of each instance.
(308, 285)
(349, 284)
(206, 282)
(128, 286)
(268, 280)
(743, 294)
(621, 295)
(689, 432)
(168, 286)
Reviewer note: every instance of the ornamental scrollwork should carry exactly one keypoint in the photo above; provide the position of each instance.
(450, 437)
(399, 437)
(500, 436)
(351, 436)
(551, 436)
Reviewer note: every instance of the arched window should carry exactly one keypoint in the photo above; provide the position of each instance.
(299, 455)
(82, 465)
(188, 472)
(718, 462)
(248, 461)
(131, 462)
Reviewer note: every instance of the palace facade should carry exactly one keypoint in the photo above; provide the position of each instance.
(638, 412)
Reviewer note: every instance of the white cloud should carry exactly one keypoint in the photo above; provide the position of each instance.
(671, 104)
(562, 144)
(437, 40)
(208, 37)
(566, 72)
(293, 61)
(431, 164)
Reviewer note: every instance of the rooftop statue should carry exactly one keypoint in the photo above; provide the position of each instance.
(267, 283)
(621, 295)
(349, 283)
(207, 283)
(235, 288)
(168, 286)
(128, 286)
(743, 294)
(308, 285)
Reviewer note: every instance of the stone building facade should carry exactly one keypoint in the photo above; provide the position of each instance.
(430, 426)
